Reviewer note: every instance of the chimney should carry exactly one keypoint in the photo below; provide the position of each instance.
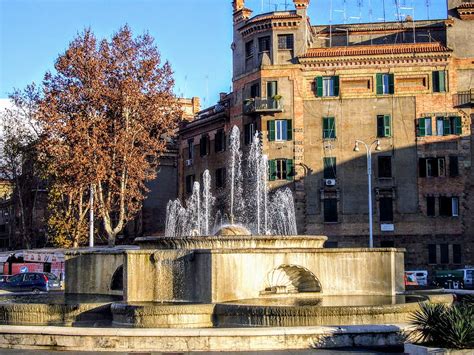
(241, 13)
(301, 6)
(222, 95)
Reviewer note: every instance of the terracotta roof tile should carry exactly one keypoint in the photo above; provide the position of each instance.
(375, 50)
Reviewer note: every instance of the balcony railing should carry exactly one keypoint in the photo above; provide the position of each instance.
(464, 98)
(258, 105)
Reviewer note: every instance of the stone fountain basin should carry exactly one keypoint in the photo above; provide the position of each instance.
(233, 242)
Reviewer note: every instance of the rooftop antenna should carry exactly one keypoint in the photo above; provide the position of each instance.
(370, 19)
(330, 26)
(343, 11)
(428, 4)
(360, 4)
(185, 85)
(286, 4)
(383, 4)
(412, 8)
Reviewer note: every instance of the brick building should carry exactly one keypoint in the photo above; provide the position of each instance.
(314, 90)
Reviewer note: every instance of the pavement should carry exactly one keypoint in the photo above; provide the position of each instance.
(281, 352)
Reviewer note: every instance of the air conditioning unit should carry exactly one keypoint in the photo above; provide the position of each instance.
(330, 182)
(189, 162)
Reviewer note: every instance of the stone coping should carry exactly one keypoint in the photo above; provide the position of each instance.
(273, 250)
(198, 332)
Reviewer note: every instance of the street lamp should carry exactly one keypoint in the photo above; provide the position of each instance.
(369, 177)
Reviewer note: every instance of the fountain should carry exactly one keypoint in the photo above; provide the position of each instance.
(209, 272)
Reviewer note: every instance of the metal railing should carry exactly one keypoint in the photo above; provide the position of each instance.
(464, 98)
(260, 105)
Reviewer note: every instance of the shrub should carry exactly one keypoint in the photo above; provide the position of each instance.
(444, 326)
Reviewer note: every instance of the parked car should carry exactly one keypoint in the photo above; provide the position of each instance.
(416, 277)
(468, 276)
(450, 279)
(31, 281)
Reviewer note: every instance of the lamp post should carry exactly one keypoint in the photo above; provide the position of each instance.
(368, 149)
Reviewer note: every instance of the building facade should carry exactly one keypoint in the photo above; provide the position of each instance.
(313, 91)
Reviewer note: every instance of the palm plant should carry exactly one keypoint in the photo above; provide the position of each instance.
(445, 326)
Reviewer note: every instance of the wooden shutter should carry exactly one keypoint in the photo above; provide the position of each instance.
(289, 169)
(421, 127)
(446, 126)
(271, 130)
(289, 130)
(391, 84)
(380, 125)
(387, 127)
(379, 84)
(336, 85)
(457, 125)
(441, 81)
(272, 170)
(332, 127)
(319, 86)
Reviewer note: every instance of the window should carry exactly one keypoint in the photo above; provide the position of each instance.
(384, 127)
(255, 90)
(272, 89)
(444, 253)
(330, 210)
(457, 254)
(264, 44)
(330, 245)
(384, 166)
(387, 244)
(249, 132)
(424, 127)
(431, 167)
(432, 259)
(386, 209)
(219, 141)
(453, 166)
(189, 183)
(449, 206)
(190, 149)
(249, 49)
(439, 81)
(327, 86)
(220, 177)
(430, 206)
(280, 130)
(329, 128)
(448, 125)
(285, 41)
(329, 168)
(280, 169)
(385, 84)
(204, 145)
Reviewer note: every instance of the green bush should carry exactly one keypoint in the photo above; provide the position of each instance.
(444, 326)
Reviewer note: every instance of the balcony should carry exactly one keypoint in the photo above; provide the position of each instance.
(464, 99)
(258, 105)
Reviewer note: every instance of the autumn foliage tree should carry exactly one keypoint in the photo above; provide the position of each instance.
(106, 114)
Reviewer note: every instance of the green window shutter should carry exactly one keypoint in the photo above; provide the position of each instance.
(289, 130)
(379, 84)
(336, 85)
(442, 81)
(435, 80)
(332, 127)
(446, 127)
(380, 125)
(271, 130)
(421, 127)
(391, 84)
(289, 169)
(457, 125)
(387, 127)
(325, 127)
(272, 170)
(319, 86)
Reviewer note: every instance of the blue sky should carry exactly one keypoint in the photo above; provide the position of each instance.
(194, 35)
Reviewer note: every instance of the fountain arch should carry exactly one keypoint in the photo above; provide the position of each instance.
(116, 284)
(291, 279)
